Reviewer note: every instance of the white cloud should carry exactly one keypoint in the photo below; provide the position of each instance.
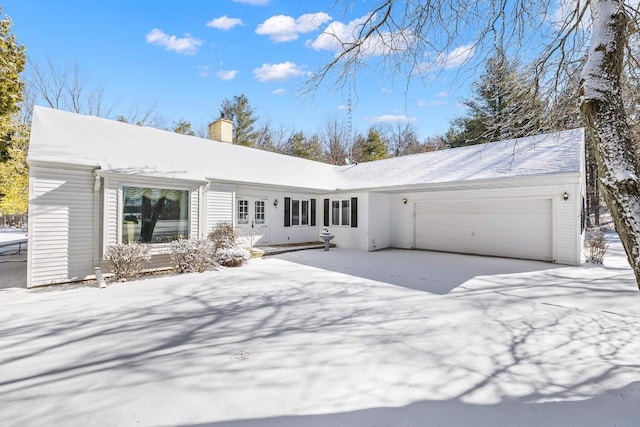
(342, 107)
(204, 70)
(279, 91)
(443, 94)
(457, 57)
(279, 72)
(283, 28)
(186, 45)
(337, 34)
(390, 118)
(386, 90)
(224, 23)
(227, 74)
(435, 103)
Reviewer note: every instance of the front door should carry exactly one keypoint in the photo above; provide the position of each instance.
(251, 221)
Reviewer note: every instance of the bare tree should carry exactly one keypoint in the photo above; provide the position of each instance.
(404, 33)
(401, 137)
(335, 141)
(65, 86)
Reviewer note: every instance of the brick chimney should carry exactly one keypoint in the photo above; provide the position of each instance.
(221, 130)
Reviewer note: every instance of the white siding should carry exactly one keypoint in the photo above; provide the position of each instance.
(347, 236)
(278, 234)
(379, 237)
(219, 206)
(61, 226)
(194, 220)
(566, 235)
(400, 222)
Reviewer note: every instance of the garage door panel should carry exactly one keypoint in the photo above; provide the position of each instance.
(510, 228)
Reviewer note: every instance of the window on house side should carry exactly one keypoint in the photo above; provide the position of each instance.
(304, 216)
(295, 212)
(345, 212)
(335, 212)
(259, 212)
(154, 215)
(243, 211)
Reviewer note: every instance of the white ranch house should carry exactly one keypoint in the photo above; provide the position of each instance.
(96, 182)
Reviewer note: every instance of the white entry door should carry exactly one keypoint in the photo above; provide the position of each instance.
(252, 223)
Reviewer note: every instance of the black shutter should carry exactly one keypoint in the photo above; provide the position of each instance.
(326, 212)
(313, 212)
(287, 212)
(354, 212)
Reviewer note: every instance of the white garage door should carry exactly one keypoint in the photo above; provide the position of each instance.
(509, 228)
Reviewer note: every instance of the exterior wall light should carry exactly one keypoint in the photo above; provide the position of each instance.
(404, 200)
(565, 196)
(275, 203)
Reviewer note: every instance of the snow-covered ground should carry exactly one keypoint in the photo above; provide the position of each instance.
(339, 338)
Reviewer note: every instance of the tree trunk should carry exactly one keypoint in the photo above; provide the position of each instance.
(606, 119)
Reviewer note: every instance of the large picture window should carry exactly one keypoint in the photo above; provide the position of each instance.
(154, 215)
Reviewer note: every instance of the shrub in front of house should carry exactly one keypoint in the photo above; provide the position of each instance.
(597, 246)
(231, 257)
(225, 250)
(127, 259)
(191, 255)
(223, 236)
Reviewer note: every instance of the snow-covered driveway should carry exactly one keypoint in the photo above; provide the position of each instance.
(339, 338)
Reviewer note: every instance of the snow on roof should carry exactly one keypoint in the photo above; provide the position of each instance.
(69, 138)
(553, 153)
(63, 137)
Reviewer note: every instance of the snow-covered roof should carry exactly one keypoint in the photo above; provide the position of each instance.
(68, 138)
(63, 137)
(552, 153)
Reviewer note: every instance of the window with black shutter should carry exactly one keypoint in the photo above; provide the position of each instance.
(287, 211)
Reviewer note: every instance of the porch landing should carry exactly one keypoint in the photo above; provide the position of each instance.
(292, 247)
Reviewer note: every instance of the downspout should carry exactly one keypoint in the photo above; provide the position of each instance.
(96, 228)
(204, 194)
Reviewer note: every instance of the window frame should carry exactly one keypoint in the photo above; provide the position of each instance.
(121, 205)
(342, 212)
(300, 212)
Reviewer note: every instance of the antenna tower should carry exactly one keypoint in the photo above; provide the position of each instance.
(349, 125)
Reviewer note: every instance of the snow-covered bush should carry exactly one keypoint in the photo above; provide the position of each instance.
(231, 257)
(598, 246)
(189, 255)
(127, 260)
(223, 236)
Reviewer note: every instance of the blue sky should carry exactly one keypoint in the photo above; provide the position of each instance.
(188, 56)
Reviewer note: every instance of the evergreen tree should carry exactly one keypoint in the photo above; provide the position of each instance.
(12, 63)
(183, 127)
(242, 114)
(505, 104)
(14, 174)
(373, 147)
(307, 148)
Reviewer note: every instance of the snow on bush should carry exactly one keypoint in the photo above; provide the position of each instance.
(232, 257)
(190, 255)
(597, 247)
(223, 236)
(127, 260)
